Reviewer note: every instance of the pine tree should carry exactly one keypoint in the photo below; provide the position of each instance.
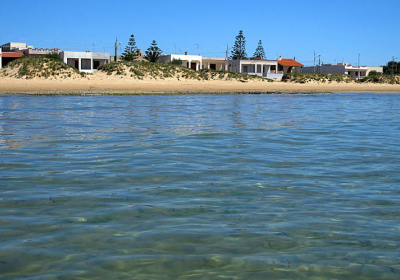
(153, 53)
(130, 52)
(239, 49)
(259, 53)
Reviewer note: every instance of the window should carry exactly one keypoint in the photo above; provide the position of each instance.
(258, 68)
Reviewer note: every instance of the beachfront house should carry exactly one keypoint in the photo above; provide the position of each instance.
(287, 65)
(15, 47)
(11, 51)
(215, 63)
(87, 62)
(271, 69)
(357, 72)
(7, 57)
(194, 62)
(255, 66)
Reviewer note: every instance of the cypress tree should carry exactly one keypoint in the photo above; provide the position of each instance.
(239, 49)
(153, 53)
(130, 52)
(259, 53)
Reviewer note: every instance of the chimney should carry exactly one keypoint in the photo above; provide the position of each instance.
(186, 53)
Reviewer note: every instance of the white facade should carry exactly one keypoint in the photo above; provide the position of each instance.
(10, 47)
(378, 69)
(260, 67)
(194, 62)
(215, 63)
(1, 59)
(357, 72)
(86, 62)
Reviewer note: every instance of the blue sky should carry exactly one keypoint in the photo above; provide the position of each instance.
(338, 30)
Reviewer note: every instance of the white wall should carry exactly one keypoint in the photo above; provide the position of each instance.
(83, 58)
(324, 69)
(237, 65)
(221, 64)
(185, 59)
(378, 69)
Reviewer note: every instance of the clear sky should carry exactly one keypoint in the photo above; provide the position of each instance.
(338, 30)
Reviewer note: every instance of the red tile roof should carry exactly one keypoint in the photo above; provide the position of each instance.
(12, 54)
(288, 62)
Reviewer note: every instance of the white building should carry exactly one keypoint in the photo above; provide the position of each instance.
(87, 62)
(194, 62)
(12, 47)
(271, 69)
(215, 63)
(357, 72)
(260, 67)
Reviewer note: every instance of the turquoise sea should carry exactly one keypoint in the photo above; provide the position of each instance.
(200, 187)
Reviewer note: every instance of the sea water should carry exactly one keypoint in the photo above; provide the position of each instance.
(200, 187)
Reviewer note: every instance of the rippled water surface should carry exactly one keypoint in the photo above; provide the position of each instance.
(200, 187)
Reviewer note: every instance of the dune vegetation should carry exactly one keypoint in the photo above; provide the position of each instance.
(49, 66)
(304, 78)
(144, 69)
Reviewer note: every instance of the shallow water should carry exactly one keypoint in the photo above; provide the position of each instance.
(200, 187)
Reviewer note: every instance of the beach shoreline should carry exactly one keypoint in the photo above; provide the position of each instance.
(125, 86)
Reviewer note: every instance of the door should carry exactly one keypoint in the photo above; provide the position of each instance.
(245, 69)
(96, 64)
(77, 64)
(193, 66)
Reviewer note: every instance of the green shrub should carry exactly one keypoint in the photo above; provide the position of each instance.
(176, 62)
(53, 56)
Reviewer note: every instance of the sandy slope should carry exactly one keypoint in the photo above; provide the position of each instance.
(101, 83)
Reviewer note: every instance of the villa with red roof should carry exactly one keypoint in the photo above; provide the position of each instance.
(288, 65)
(271, 69)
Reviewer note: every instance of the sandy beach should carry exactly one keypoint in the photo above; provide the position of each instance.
(101, 83)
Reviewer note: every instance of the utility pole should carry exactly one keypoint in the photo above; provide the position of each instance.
(314, 61)
(393, 61)
(116, 50)
(319, 60)
(226, 58)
